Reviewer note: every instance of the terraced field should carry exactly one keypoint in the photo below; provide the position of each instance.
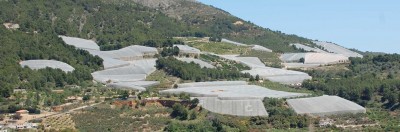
(220, 48)
(59, 122)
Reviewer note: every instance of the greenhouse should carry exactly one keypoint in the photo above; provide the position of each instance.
(233, 42)
(42, 64)
(273, 74)
(80, 43)
(331, 47)
(138, 85)
(250, 107)
(187, 49)
(234, 92)
(231, 97)
(261, 48)
(307, 48)
(324, 106)
(128, 53)
(215, 83)
(315, 58)
(197, 61)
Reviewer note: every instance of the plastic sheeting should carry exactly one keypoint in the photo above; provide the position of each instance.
(261, 48)
(235, 92)
(80, 43)
(42, 64)
(215, 83)
(324, 105)
(253, 107)
(129, 53)
(337, 49)
(307, 48)
(273, 74)
(138, 85)
(233, 42)
(188, 49)
(315, 58)
(197, 61)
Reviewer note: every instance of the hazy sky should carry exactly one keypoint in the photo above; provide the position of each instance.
(367, 25)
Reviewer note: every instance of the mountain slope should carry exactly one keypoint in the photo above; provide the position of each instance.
(214, 21)
(120, 23)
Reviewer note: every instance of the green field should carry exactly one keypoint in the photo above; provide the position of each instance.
(220, 48)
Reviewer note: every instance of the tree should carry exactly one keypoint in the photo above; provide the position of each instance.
(257, 77)
(125, 95)
(251, 79)
(302, 60)
(193, 115)
(179, 112)
(194, 102)
(86, 97)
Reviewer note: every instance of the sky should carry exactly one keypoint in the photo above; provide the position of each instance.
(367, 25)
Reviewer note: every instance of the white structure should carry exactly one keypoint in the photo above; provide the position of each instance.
(197, 61)
(42, 64)
(80, 43)
(129, 53)
(261, 48)
(184, 49)
(307, 48)
(233, 42)
(315, 58)
(324, 105)
(273, 74)
(209, 84)
(124, 68)
(231, 97)
(337, 49)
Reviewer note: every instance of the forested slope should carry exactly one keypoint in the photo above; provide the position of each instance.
(16, 46)
(120, 23)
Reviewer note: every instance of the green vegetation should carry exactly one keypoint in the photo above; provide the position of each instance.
(223, 63)
(165, 80)
(280, 87)
(17, 46)
(192, 71)
(270, 59)
(220, 47)
(104, 118)
(370, 80)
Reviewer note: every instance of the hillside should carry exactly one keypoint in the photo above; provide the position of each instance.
(122, 23)
(214, 21)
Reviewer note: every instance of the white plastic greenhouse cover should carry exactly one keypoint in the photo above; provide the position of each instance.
(129, 53)
(187, 49)
(215, 83)
(197, 61)
(261, 48)
(324, 105)
(314, 58)
(232, 42)
(80, 43)
(138, 85)
(337, 49)
(273, 74)
(307, 48)
(300, 65)
(42, 64)
(251, 107)
(235, 92)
